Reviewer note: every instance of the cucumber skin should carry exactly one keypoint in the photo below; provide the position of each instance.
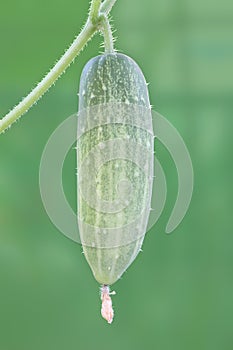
(111, 78)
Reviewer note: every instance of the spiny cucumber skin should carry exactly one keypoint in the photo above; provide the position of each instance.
(112, 78)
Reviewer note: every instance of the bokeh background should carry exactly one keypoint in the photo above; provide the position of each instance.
(178, 294)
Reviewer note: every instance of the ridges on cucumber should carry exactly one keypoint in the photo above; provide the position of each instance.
(115, 164)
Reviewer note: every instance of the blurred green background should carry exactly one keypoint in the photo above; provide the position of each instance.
(178, 294)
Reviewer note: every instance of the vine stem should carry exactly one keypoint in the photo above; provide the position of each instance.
(107, 6)
(107, 33)
(98, 13)
(94, 11)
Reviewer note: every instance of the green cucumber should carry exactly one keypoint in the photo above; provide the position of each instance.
(115, 163)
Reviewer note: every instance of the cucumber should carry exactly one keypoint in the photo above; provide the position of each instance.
(115, 164)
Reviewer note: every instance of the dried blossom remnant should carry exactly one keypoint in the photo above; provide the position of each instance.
(107, 310)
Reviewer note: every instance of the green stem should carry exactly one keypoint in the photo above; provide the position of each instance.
(107, 6)
(94, 11)
(107, 33)
(50, 78)
(87, 32)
